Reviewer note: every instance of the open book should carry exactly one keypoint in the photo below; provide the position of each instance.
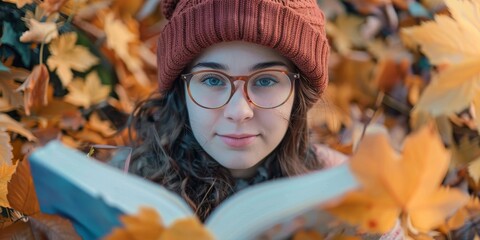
(93, 195)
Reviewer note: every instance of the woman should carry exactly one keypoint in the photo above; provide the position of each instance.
(236, 79)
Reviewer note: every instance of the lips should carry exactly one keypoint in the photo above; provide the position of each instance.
(238, 140)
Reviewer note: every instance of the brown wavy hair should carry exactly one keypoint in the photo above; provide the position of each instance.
(166, 151)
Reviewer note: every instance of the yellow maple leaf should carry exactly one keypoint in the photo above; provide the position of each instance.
(88, 92)
(403, 186)
(124, 39)
(39, 31)
(451, 42)
(66, 56)
(147, 224)
(35, 88)
(6, 167)
(19, 3)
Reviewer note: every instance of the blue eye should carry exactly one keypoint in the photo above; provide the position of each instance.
(213, 81)
(265, 82)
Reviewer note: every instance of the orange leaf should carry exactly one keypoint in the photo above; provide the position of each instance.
(51, 6)
(6, 172)
(35, 88)
(21, 191)
(407, 183)
(147, 224)
(186, 229)
(20, 3)
(307, 235)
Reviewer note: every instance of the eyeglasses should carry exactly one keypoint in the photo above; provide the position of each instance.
(213, 89)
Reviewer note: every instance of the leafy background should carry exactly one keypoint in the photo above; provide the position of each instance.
(404, 74)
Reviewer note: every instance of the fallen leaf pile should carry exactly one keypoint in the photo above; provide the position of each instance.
(73, 70)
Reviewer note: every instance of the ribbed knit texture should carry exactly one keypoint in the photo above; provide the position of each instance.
(295, 28)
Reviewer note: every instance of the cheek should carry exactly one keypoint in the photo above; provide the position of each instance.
(201, 121)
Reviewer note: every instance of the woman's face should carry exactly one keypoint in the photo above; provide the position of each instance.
(239, 135)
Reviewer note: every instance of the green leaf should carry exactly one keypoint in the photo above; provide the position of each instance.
(11, 37)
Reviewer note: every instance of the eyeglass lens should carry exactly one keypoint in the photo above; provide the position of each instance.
(265, 89)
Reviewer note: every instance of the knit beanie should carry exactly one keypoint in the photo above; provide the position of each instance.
(294, 28)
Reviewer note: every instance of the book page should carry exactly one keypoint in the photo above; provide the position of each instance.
(249, 213)
(69, 183)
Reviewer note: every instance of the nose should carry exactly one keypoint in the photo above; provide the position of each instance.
(238, 109)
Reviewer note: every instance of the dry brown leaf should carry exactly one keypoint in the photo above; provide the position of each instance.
(66, 56)
(8, 85)
(20, 3)
(55, 109)
(88, 92)
(45, 226)
(35, 88)
(21, 190)
(10, 124)
(408, 184)
(71, 120)
(39, 32)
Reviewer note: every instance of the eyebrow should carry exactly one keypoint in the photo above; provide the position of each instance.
(219, 66)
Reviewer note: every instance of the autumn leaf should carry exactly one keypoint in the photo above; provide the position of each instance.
(333, 110)
(125, 43)
(88, 92)
(6, 154)
(51, 6)
(66, 56)
(400, 186)
(99, 125)
(147, 224)
(39, 31)
(8, 85)
(307, 235)
(45, 226)
(10, 124)
(451, 42)
(20, 3)
(185, 229)
(35, 88)
(7, 168)
(21, 190)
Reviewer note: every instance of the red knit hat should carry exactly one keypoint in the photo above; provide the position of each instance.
(294, 28)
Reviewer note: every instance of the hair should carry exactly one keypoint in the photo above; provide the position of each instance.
(167, 153)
